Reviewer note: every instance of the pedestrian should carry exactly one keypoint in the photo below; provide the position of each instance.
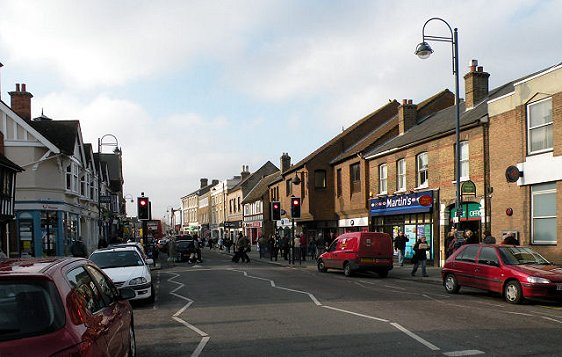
(470, 237)
(320, 244)
(509, 239)
(285, 247)
(400, 246)
(450, 243)
(488, 239)
(296, 247)
(102, 243)
(263, 246)
(304, 246)
(271, 247)
(78, 248)
(420, 256)
(312, 248)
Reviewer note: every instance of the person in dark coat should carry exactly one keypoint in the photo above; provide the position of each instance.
(79, 249)
(400, 246)
(488, 239)
(470, 237)
(420, 256)
(272, 248)
(510, 239)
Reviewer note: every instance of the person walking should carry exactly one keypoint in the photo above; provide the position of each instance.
(285, 247)
(271, 247)
(420, 256)
(78, 248)
(400, 246)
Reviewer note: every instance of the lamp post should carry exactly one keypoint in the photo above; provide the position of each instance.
(423, 51)
(117, 150)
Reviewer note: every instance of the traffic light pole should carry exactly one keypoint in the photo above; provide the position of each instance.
(292, 252)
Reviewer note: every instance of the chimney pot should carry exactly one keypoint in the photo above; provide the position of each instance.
(404, 101)
(23, 87)
(17, 87)
(480, 69)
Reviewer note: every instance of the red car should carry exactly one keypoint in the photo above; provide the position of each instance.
(63, 306)
(516, 272)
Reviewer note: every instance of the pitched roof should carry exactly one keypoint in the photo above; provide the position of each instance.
(257, 192)
(249, 182)
(62, 133)
(5, 162)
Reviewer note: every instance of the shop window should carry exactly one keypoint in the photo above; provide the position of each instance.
(539, 126)
(383, 179)
(355, 177)
(422, 170)
(401, 175)
(543, 210)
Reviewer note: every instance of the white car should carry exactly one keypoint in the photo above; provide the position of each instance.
(126, 268)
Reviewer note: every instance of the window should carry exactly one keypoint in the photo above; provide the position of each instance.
(421, 169)
(543, 201)
(401, 175)
(539, 123)
(319, 179)
(464, 163)
(289, 187)
(84, 286)
(383, 178)
(488, 257)
(355, 177)
(468, 254)
(338, 183)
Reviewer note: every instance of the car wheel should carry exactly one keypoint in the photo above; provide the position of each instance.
(512, 292)
(347, 269)
(451, 284)
(132, 342)
(321, 266)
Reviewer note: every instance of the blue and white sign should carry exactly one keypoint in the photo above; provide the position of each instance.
(418, 202)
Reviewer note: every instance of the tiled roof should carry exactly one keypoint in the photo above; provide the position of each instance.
(62, 133)
(262, 187)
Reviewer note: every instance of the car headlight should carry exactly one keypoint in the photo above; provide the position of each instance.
(537, 280)
(138, 281)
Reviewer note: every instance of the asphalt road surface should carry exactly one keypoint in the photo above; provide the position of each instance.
(220, 308)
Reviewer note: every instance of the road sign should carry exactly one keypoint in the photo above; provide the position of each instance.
(105, 199)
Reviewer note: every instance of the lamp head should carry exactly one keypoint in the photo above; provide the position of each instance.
(296, 180)
(423, 50)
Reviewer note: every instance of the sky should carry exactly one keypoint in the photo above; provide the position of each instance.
(195, 89)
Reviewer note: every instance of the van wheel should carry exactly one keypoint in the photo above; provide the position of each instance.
(347, 270)
(513, 292)
(321, 266)
(451, 284)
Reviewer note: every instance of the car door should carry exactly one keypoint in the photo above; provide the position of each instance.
(464, 265)
(117, 315)
(330, 255)
(488, 272)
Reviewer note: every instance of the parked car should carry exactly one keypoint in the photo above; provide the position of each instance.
(63, 306)
(359, 251)
(184, 249)
(516, 272)
(137, 245)
(127, 268)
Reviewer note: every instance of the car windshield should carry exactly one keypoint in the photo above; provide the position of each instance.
(29, 309)
(520, 256)
(114, 259)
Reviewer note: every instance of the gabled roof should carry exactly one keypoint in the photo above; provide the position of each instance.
(62, 133)
(247, 184)
(5, 162)
(261, 188)
(340, 136)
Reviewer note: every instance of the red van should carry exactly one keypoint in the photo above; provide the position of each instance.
(359, 251)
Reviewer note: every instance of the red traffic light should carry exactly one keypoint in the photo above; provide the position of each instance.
(296, 202)
(142, 202)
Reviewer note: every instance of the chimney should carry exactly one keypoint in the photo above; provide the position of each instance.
(285, 162)
(204, 182)
(21, 102)
(475, 85)
(214, 182)
(245, 172)
(407, 115)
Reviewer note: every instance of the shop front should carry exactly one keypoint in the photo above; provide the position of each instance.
(413, 213)
(471, 218)
(232, 229)
(357, 224)
(253, 230)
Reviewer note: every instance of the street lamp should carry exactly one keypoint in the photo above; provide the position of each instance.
(423, 51)
(116, 151)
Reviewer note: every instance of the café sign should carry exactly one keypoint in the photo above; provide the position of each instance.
(417, 202)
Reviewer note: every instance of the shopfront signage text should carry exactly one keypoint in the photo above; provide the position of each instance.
(401, 204)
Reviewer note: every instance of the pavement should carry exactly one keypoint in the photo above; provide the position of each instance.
(398, 272)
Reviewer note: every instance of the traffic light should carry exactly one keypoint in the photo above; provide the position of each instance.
(143, 208)
(275, 211)
(295, 207)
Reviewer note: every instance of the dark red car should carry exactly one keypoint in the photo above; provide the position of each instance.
(62, 306)
(516, 272)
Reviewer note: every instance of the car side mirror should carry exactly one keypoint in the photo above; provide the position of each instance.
(126, 293)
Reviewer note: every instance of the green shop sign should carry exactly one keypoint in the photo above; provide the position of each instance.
(470, 212)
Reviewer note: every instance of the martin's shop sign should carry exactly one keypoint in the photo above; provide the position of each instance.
(418, 202)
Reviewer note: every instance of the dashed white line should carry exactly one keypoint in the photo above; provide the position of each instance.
(355, 313)
(463, 353)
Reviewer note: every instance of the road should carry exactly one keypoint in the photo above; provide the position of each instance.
(219, 308)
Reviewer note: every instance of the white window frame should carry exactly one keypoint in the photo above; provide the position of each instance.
(538, 190)
(401, 175)
(546, 125)
(383, 178)
(465, 162)
(422, 170)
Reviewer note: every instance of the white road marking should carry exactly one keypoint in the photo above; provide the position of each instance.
(204, 335)
(463, 353)
(416, 337)
(518, 313)
(156, 289)
(551, 319)
(355, 313)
